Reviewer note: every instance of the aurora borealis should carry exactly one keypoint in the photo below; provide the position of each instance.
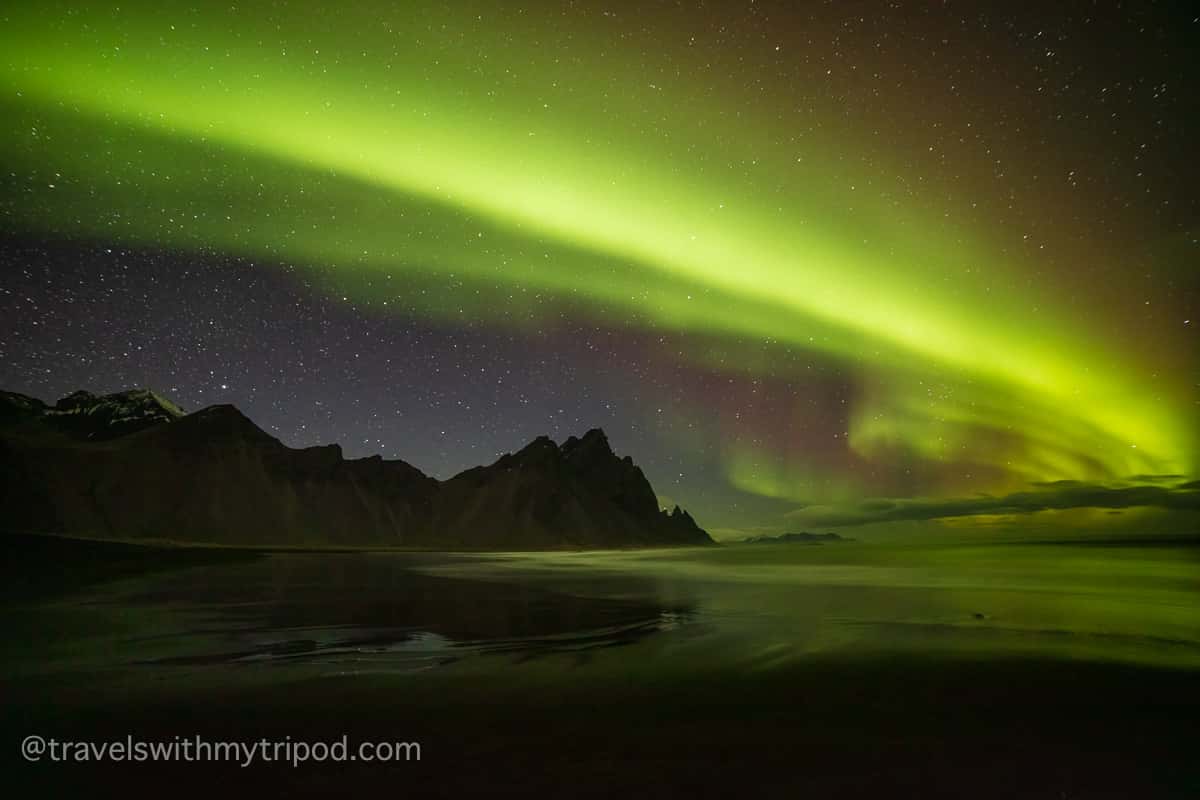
(805, 264)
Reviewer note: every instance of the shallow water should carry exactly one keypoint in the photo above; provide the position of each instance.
(746, 608)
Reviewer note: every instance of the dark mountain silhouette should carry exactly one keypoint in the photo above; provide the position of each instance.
(133, 465)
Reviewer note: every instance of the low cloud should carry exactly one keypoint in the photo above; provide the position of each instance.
(1042, 497)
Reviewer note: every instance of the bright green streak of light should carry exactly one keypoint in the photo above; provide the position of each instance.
(698, 244)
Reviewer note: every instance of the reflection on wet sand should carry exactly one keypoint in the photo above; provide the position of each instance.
(369, 610)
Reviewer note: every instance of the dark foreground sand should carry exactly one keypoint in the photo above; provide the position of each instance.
(915, 728)
(937, 724)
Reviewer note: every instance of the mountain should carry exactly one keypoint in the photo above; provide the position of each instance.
(83, 415)
(796, 538)
(134, 465)
(535, 495)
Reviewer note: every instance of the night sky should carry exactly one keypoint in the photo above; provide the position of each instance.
(903, 265)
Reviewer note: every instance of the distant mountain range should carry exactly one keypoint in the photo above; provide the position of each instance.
(133, 465)
(796, 538)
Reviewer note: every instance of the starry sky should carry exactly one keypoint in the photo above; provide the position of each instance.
(889, 266)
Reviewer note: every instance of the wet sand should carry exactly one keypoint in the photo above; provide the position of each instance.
(858, 683)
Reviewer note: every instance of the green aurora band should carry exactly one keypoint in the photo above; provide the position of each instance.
(455, 164)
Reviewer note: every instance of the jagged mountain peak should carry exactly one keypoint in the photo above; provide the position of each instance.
(222, 422)
(594, 436)
(128, 402)
(80, 398)
(541, 450)
(214, 475)
(85, 415)
(593, 445)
